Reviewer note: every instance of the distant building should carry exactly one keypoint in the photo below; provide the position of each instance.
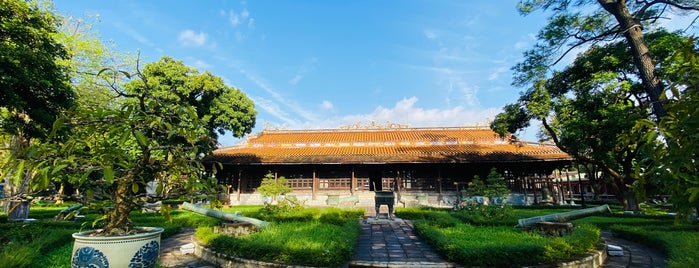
(433, 163)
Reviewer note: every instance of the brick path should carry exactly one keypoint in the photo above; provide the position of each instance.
(394, 244)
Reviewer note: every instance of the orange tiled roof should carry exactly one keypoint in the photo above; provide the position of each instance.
(396, 145)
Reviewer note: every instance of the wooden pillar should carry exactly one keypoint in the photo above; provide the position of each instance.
(397, 185)
(315, 186)
(570, 188)
(535, 178)
(353, 184)
(439, 182)
(240, 178)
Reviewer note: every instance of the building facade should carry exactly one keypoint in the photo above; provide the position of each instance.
(424, 165)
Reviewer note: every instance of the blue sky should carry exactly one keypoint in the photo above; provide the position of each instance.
(327, 64)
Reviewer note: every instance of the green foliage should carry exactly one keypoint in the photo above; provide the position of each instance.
(496, 185)
(441, 219)
(468, 245)
(477, 187)
(417, 213)
(678, 241)
(285, 211)
(590, 108)
(35, 88)
(297, 243)
(493, 186)
(22, 244)
(479, 214)
(675, 167)
(273, 187)
(339, 216)
(167, 118)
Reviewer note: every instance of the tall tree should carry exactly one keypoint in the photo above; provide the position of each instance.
(675, 167)
(590, 108)
(168, 117)
(574, 24)
(87, 55)
(34, 88)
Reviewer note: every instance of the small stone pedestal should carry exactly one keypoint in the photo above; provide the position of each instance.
(383, 219)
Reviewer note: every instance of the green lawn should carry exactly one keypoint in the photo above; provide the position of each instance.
(310, 236)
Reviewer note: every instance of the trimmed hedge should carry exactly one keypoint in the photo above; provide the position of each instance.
(309, 243)
(500, 246)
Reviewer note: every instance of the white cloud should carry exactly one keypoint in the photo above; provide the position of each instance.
(200, 64)
(403, 112)
(496, 74)
(429, 34)
(406, 112)
(233, 18)
(280, 100)
(326, 105)
(239, 18)
(191, 38)
(134, 34)
(520, 45)
(295, 80)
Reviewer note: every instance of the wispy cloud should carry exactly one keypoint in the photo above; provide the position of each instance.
(326, 105)
(305, 68)
(198, 63)
(430, 34)
(496, 74)
(406, 112)
(286, 103)
(295, 80)
(133, 34)
(273, 109)
(239, 18)
(190, 38)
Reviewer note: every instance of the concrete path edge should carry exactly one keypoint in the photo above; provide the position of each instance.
(593, 259)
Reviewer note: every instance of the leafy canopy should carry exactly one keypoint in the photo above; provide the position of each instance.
(34, 88)
(165, 122)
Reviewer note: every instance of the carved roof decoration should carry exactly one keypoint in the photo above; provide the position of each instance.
(385, 145)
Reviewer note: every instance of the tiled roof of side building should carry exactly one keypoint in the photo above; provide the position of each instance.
(401, 145)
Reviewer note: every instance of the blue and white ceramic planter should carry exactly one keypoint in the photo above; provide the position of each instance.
(137, 250)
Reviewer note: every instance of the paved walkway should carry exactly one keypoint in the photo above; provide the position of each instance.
(635, 254)
(385, 244)
(171, 256)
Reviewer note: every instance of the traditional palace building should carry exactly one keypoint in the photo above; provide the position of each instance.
(426, 164)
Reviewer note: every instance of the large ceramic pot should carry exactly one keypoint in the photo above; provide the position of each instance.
(137, 250)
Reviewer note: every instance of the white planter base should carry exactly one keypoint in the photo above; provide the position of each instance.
(138, 250)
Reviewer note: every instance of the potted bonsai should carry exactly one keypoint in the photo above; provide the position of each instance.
(162, 121)
(478, 190)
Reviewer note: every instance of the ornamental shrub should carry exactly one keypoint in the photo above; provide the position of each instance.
(274, 187)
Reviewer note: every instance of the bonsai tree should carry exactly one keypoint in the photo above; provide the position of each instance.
(273, 187)
(476, 187)
(496, 185)
(163, 120)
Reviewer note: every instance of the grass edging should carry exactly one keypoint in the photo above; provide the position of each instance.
(224, 260)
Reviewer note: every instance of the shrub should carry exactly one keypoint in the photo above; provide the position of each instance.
(293, 243)
(273, 187)
(486, 214)
(441, 219)
(332, 218)
(470, 245)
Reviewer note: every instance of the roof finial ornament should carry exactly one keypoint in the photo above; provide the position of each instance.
(374, 125)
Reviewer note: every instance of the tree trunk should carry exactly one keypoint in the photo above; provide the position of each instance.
(118, 220)
(633, 32)
(630, 201)
(18, 144)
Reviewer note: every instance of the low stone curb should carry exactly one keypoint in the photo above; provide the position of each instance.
(592, 260)
(228, 261)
